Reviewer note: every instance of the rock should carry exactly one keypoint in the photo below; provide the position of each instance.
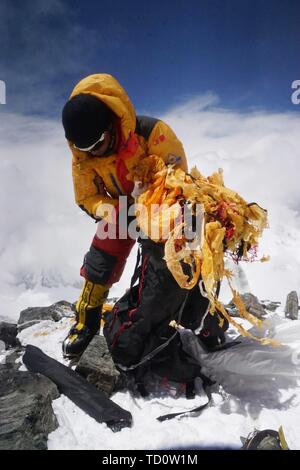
(292, 306)
(252, 305)
(55, 312)
(8, 333)
(97, 366)
(14, 358)
(270, 305)
(112, 300)
(26, 414)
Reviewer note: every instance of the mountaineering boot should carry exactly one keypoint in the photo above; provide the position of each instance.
(88, 318)
(80, 335)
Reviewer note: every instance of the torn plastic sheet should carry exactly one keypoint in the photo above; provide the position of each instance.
(250, 367)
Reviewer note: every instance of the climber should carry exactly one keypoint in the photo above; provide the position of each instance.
(107, 140)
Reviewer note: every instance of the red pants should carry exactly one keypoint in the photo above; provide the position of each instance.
(105, 261)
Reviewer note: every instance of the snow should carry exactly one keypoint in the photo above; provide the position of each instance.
(44, 237)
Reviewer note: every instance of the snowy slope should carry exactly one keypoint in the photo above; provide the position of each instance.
(257, 386)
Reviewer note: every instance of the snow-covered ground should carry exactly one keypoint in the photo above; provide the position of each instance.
(257, 387)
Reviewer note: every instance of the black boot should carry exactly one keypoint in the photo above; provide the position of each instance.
(81, 334)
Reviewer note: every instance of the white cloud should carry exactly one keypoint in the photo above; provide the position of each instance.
(44, 235)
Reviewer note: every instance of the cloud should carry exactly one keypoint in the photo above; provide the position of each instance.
(44, 235)
(42, 230)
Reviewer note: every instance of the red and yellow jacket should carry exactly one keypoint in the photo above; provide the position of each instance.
(100, 180)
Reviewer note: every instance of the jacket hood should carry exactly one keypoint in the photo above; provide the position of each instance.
(109, 91)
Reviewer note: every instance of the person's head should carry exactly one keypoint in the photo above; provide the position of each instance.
(89, 124)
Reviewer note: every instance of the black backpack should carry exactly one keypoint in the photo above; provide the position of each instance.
(137, 330)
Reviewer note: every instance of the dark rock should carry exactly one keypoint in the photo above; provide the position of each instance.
(112, 300)
(292, 306)
(13, 358)
(8, 333)
(252, 305)
(26, 414)
(97, 366)
(270, 306)
(32, 315)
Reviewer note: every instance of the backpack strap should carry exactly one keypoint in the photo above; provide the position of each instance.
(136, 272)
(207, 383)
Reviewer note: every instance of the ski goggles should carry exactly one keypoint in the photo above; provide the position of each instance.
(91, 147)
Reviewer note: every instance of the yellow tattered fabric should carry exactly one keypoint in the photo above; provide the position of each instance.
(230, 225)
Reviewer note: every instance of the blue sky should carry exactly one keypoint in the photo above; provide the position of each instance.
(163, 52)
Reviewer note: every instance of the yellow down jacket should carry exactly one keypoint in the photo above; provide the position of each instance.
(100, 180)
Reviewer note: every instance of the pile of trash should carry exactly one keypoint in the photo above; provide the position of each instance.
(227, 226)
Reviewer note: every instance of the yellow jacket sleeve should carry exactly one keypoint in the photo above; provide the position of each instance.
(90, 196)
(164, 143)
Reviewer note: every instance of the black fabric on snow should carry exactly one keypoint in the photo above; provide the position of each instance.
(85, 395)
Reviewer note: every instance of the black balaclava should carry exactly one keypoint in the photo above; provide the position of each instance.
(85, 118)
